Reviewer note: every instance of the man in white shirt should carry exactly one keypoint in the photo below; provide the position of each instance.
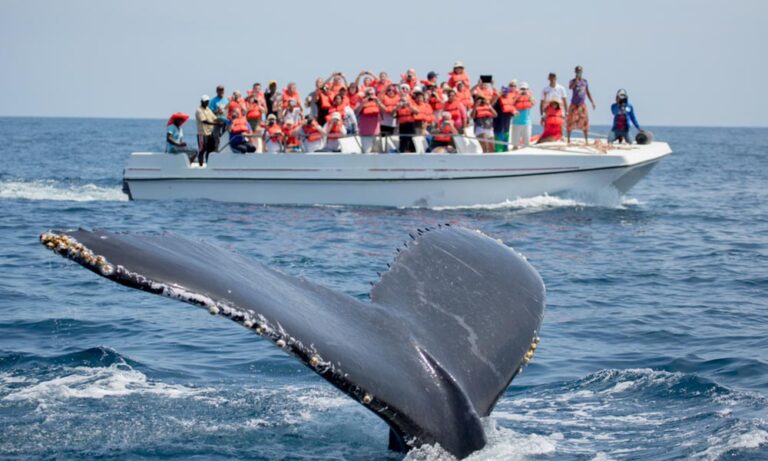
(553, 91)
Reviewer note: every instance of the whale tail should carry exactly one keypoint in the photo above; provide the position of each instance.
(447, 329)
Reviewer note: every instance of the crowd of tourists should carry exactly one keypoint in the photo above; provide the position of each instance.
(372, 107)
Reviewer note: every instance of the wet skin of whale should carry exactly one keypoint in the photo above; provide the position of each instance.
(448, 327)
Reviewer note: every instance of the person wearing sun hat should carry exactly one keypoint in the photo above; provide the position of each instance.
(458, 75)
(174, 136)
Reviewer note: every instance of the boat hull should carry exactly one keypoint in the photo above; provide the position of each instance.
(389, 180)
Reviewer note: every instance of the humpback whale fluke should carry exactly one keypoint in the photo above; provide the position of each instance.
(448, 327)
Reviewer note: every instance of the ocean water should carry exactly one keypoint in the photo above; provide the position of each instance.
(654, 343)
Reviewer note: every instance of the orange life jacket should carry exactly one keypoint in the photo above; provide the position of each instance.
(507, 103)
(390, 102)
(334, 130)
(445, 130)
(488, 94)
(274, 133)
(370, 108)
(381, 85)
(286, 97)
(239, 105)
(483, 111)
(454, 79)
(465, 97)
(254, 110)
(454, 108)
(436, 102)
(340, 109)
(523, 102)
(323, 100)
(404, 114)
(311, 132)
(240, 125)
(425, 112)
(291, 139)
(553, 116)
(354, 99)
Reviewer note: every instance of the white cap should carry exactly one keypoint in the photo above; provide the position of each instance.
(524, 86)
(336, 116)
(405, 86)
(204, 98)
(458, 64)
(417, 89)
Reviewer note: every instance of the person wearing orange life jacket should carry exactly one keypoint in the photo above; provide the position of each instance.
(484, 89)
(293, 113)
(458, 75)
(291, 142)
(368, 114)
(409, 78)
(436, 100)
(390, 99)
(290, 93)
(354, 94)
(334, 129)
(456, 109)
(240, 133)
(313, 135)
(553, 122)
(255, 107)
(382, 83)
(312, 100)
(483, 114)
(521, 124)
(442, 135)
(273, 135)
(347, 114)
(236, 102)
(405, 120)
(464, 95)
(505, 107)
(336, 82)
(424, 115)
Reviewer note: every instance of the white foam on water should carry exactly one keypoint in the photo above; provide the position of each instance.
(538, 202)
(98, 383)
(721, 444)
(54, 191)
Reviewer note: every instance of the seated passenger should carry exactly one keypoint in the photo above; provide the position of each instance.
(291, 141)
(368, 118)
(442, 136)
(240, 134)
(312, 133)
(483, 115)
(174, 136)
(334, 130)
(273, 135)
(553, 122)
(623, 114)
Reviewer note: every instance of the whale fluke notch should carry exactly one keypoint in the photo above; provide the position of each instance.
(448, 327)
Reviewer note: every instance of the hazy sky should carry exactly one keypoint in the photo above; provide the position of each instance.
(684, 62)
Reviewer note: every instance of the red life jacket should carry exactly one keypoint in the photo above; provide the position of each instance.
(454, 79)
(465, 97)
(354, 99)
(404, 114)
(286, 97)
(425, 112)
(445, 130)
(324, 101)
(381, 85)
(340, 109)
(254, 110)
(370, 108)
(291, 139)
(488, 94)
(274, 133)
(455, 110)
(507, 103)
(239, 105)
(436, 102)
(240, 125)
(390, 102)
(621, 122)
(523, 102)
(554, 116)
(483, 111)
(311, 132)
(334, 130)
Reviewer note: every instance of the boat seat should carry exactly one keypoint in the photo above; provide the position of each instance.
(350, 145)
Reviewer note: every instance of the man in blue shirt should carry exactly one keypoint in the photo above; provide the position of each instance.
(623, 114)
(219, 105)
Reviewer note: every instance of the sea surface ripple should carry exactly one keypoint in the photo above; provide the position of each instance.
(654, 342)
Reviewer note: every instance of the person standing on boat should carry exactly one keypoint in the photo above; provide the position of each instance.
(483, 114)
(505, 107)
(578, 117)
(390, 99)
(457, 110)
(218, 104)
(271, 96)
(255, 107)
(206, 122)
(319, 101)
(174, 136)
(458, 75)
(368, 114)
(424, 115)
(521, 123)
(405, 122)
(552, 91)
(623, 114)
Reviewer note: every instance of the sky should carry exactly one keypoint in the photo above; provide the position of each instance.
(683, 62)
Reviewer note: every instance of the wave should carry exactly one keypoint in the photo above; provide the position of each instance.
(56, 191)
(546, 201)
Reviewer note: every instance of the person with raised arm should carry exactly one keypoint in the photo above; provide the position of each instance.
(483, 114)
(273, 135)
(405, 119)
(390, 100)
(368, 114)
(456, 109)
(521, 123)
(313, 134)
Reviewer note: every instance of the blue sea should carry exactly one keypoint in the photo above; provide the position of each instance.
(654, 342)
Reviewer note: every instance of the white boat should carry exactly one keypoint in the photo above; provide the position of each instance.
(395, 180)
